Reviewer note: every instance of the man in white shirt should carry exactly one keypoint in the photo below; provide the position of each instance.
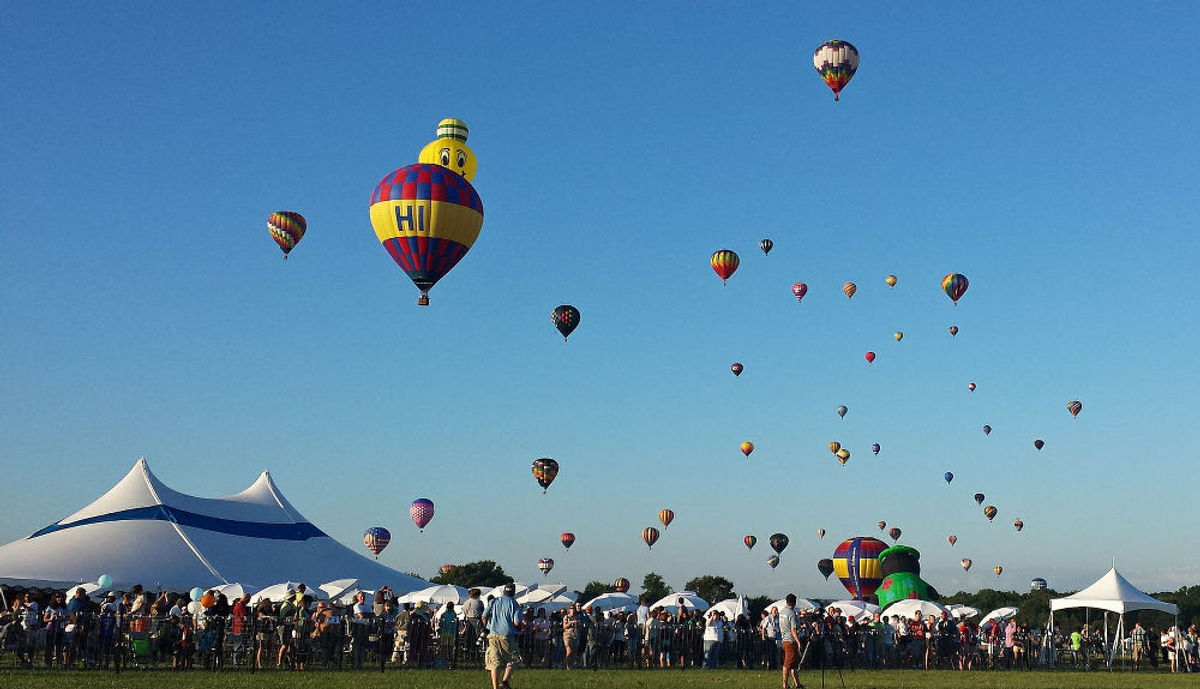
(643, 613)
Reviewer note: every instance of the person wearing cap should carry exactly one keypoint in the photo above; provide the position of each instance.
(791, 641)
(502, 619)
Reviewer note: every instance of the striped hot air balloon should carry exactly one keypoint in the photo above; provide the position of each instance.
(955, 285)
(849, 289)
(856, 562)
(376, 539)
(766, 245)
(724, 262)
(750, 541)
(650, 536)
(567, 539)
(286, 228)
(666, 517)
(545, 564)
(621, 585)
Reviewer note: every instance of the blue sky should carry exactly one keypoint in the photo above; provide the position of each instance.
(1048, 152)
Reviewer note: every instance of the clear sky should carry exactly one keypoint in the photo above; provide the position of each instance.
(1048, 151)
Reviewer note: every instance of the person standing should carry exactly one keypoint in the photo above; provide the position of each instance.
(713, 636)
(502, 619)
(1138, 637)
(791, 641)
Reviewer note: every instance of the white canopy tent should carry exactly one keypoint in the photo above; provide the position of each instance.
(1112, 593)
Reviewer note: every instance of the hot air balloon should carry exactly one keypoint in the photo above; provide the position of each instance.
(1018, 524)
(881, 524)
(952, 538)
(1037, 444)
(376, 539)
(979, 498)
(990, 512)
(870, 357)
(747, 448)
(834, 447)
(953, 330)
(750, 541)
(799, 289)
(567, 539)
(766, 245)
(621, 585)
(737, 368)
(836, 61)
(875, 448)
(565, 318)
(842, 409)
(421, 511)
(446, 569)
(825, 567)
(843, 456)
(998, 570)
(954, 285)
(966, 564)
(724, 262)
(987, 429)
(1037, 584)
(971, 386)
(773, 561)
(545, 564)
(666, 517)
(949, 476)
(286, 228)
(820, 533)
(650, 536)
(427, 217)
(894, 532)
(778, 542)
(849, 288)
(450, 148)
(1074, 406)
(856, 562)
(544, 470)
(891, 281)
(898, 335)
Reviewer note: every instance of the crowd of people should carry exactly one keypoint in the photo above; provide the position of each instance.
(67, 629)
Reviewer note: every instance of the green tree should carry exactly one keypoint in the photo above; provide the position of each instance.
(711, 587)
(756, 604)
(653, 587)
(593, 589)
(480, 573)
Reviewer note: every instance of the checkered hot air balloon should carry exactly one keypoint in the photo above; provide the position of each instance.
(856, 562)
(376, 539)
(286, 228)
(421, 511)
(836, 61)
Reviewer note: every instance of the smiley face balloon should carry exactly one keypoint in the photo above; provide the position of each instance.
(450, 148)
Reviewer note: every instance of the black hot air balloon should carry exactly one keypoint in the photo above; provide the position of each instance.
(979, 498)
(778, 542)
(825, 567)
(566, 319)
(766, 245)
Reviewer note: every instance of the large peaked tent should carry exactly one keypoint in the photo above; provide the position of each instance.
(142, 532)
(1113, 593)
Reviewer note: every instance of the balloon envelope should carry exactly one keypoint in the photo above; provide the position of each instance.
(1018, 524)
(750, 541)
(954, 285)
(621, 585)
(953, 330)
(971, 386)
(1074, 406)
(836, 62)
(881, 524)
(376, 539)
(446, 569)
(979, 498)
(998, 570)
(843, 456)
(778, 542)
(286, 228)
(544, 471)
(545, 564)
(773, 561)
(990, 512)
(421, 511)
(875, 448)
(987, 429)
(1038, 443)
(870, 357)
(724, 262)
(825, 567)
(747, 448)
(898, 335)
(966, 564)
(948, 476)
(666, 517)
(736, 368)
(566, 319)
(799, 289)
(834, 447)
(766, 245)
(894, 532)
(650, 536)
(820, 533)
(952, 538)
(842, 409)
(849, 288)
(567, 539)
(856, 562)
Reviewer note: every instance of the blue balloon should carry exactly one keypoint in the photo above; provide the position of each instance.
(105, 581)
(197, 594)
(949, 477)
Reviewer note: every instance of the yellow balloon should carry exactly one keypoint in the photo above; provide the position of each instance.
(843, 455)
(834, 447)
(899, 336)
(450, 148)
(890, 280)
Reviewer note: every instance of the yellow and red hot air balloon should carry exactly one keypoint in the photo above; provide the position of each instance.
(747, 448)
(286, 228)
(447, 568)
(849, 288)
(666, 517)
(650, 536)
(724, 262)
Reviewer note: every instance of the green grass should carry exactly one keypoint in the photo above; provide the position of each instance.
(603, 679)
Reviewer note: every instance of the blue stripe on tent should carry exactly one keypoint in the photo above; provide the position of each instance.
(299, 531)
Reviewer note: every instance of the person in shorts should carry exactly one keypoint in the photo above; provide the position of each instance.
(502, 619)
(791, 641)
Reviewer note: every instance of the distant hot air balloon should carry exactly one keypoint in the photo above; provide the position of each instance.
(953, 330)
(954, 285)
(376, 539)
(565, 318)
(849, 288)
(875, 448)
(820, 533)
(870, 357)
(724, 262)
(544, 471)
(825, 567)
(621, 585)
(842, 409)
(446, 569)
(856, 561)
(1037, 584)
(987, 429)
(747, 448)
(1037, 444)
(766, 245)
(990, 512)
(773, 561)
(666, 517)
(898, 335)
(778, 542)
(799, 289)
(836, 61)
(286, 228)
(881, 524)
(949, 476)
(891, 281)
(421, 511)
(650, 536)
(979, 498)
(750, 541)
(952, 538)
(545, 564)
(998, 570)
(894, 532)
(737, 368)
(427, 217)
(567, 539)
(1074, 406)
(834, 447)
(1018, 524)
(843, 456)
(966, 564)
(971, 386)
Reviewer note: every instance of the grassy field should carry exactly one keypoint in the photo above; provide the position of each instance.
(608, 679)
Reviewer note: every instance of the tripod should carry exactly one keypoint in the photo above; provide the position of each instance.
(807, 645)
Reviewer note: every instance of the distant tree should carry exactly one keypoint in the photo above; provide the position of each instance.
(593, 589)
(481, 573)
(711, 587)
(653, 587)
(756, 605)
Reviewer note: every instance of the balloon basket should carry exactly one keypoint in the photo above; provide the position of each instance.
(423, 300)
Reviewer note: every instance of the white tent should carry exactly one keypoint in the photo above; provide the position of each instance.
(142, 532)
(732, 607)
(689, 598)
(1112, 593)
